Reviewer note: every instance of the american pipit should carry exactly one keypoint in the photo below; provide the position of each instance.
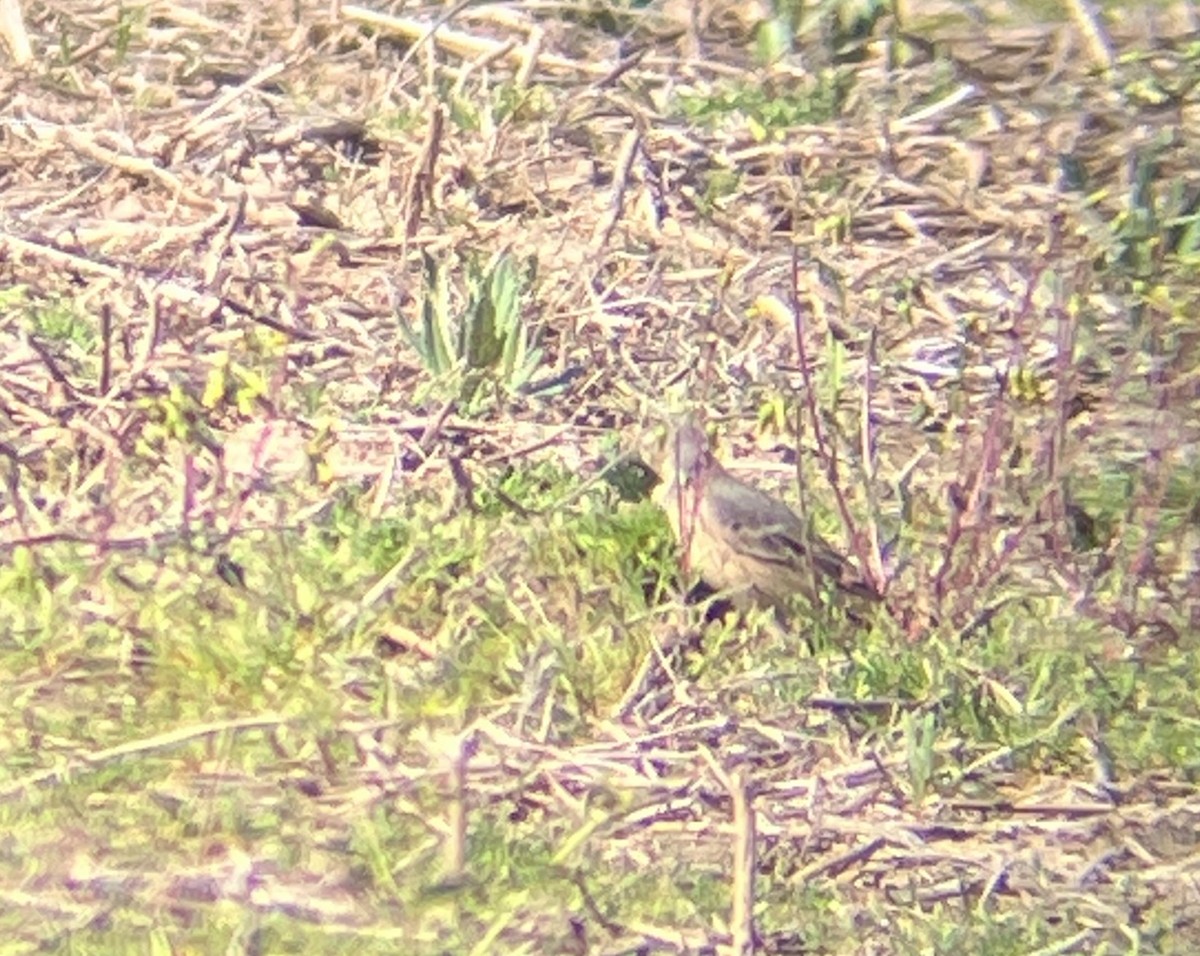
(740, 540)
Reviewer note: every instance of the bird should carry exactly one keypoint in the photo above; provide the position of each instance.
(741, 541)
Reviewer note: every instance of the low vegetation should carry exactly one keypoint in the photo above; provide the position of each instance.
(333, 613)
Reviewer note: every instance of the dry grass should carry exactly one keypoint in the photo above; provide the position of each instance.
(305, 652)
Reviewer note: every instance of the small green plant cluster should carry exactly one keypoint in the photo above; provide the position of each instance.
(486, 340)
(816, 100)
(840, 26)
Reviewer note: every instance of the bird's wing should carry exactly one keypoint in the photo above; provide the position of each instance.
(765, 528)
(759, 524)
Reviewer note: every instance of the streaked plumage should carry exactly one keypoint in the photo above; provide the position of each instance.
(738, 538)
